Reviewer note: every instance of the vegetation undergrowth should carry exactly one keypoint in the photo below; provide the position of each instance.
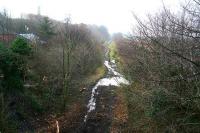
(120, 112)
(113, 51)
(44, 72)
(139, 118)
(164, 95)
(82, 85)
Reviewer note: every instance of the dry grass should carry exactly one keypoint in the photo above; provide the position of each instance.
(120, 113)
(130, 113)
(99, 73)
(137, 99)
(69, 119)
(73, 116)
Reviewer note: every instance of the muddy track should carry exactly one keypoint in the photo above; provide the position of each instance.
(100, 119)
(100, 100)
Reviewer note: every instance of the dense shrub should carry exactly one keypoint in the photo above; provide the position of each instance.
(10, 65)
(21, 46)
(162, 59)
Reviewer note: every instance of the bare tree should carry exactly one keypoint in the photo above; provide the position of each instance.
(164, 55)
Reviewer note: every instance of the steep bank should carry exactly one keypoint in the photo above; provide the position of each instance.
(72, 119)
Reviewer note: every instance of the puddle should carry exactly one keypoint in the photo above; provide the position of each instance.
(113, 79)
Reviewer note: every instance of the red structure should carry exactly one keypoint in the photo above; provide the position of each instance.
(7, 38)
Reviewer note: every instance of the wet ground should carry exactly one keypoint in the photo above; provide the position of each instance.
(101, 103)
(97, 114)
(100, 119)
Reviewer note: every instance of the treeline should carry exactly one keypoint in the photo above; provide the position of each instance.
(162, 58)
(49, 72)
(37, 24)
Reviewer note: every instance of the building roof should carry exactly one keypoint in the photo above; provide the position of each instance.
(30, 36)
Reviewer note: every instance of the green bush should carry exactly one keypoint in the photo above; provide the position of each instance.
(6, 125)
(21, 46)
(161, 103)
(172, 110)
(33, 102)
(10, 66)
(13, 65)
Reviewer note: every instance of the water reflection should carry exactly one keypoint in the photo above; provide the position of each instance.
(114, 78)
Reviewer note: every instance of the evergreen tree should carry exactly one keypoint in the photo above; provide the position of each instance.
(21, 46)
(46, 29)
(13, 65)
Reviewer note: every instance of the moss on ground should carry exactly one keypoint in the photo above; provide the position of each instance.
(113, 54)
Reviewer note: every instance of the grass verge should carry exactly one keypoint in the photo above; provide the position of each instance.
(139, 119)
(120, 112)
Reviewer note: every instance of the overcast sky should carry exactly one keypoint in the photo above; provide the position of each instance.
(114, 14)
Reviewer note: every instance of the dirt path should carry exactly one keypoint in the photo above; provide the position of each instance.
(99, 110)
(100, 119)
